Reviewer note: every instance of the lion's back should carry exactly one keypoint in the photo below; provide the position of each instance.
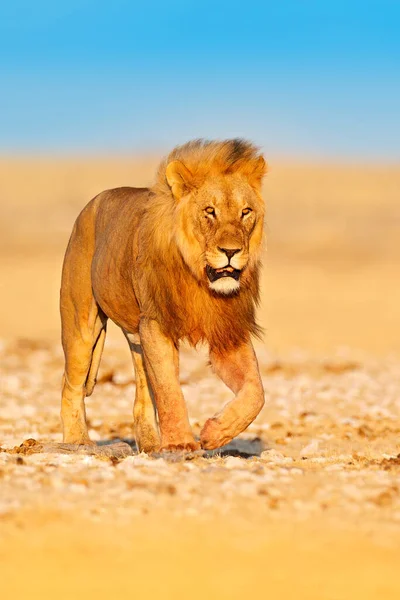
(119, 209)
(100, 251)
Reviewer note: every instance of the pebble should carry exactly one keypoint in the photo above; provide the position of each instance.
(311, 449)
(275, 457)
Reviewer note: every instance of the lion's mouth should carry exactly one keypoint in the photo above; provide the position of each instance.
(214, 274)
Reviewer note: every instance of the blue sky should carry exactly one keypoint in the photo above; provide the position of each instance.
(302, 78)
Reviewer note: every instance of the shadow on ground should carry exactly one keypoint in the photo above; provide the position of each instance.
(242, 448)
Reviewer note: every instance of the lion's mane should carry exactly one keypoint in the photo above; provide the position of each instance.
(169, 292)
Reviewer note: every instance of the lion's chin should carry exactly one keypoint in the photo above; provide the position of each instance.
(225, 286)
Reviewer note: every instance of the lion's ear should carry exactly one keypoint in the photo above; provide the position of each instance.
(254, 170)
(179, 178)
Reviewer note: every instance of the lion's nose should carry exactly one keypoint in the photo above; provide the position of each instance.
(229, 251)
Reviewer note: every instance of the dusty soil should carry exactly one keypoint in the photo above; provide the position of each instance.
(305, 504)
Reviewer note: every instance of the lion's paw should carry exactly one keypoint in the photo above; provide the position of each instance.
(179, 452)
(181, 447)
(212, 435)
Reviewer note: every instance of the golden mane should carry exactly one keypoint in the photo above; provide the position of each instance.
(205, 157)
(172, 295)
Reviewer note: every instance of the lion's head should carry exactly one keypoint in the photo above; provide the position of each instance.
(219, 211)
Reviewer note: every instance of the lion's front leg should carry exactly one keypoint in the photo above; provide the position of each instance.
(238, 369)
(162, 366)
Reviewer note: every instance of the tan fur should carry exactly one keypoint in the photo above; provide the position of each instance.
(139, 256)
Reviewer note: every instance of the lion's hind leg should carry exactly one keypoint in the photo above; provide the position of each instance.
(95, 363)
(82, 324)
(144, 410)
(84, 334)
(82, 342)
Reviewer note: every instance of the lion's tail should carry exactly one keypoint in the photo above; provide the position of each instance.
(94, 365)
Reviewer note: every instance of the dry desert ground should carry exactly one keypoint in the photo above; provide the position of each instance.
(306, 503)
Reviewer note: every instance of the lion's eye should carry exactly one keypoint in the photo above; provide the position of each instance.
(246, 211)
(210, 211)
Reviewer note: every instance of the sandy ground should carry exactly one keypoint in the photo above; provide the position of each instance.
(306, 503)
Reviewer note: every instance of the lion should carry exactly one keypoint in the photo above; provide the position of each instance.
(177, 261)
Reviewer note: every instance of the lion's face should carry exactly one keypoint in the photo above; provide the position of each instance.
(219, 231)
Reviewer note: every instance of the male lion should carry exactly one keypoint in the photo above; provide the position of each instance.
(177, 261)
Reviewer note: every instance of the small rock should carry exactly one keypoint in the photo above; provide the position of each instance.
(310, 450)
(273, 456)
